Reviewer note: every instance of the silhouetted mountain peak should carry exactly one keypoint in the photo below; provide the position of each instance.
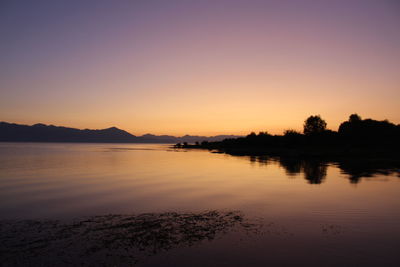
(113, 129)
(39, 125)
(11, 132)
(148, 135)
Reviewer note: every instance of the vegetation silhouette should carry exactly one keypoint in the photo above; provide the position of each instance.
(360, 148)
(355, 138)
(314, 125)
(368, 131)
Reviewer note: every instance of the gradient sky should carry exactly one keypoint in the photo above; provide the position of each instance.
(198, 67)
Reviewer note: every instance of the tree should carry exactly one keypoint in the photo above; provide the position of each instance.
(252, 135)
(314, 124)
(291, 132)
(263, 133)
(354, 118)
(178, 145)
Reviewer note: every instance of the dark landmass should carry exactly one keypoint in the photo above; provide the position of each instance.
(11, 132)
(360, 149)
(112, 240)
(355, 138)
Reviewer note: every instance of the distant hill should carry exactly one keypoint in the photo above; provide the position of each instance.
(11, 132)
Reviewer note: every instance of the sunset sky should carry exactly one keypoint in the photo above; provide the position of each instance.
(198, 67)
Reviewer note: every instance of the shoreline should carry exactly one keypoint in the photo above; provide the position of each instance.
(323, 153)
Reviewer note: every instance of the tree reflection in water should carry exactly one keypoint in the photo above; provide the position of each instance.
(315, 170)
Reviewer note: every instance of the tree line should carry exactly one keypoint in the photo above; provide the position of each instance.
(354, 136)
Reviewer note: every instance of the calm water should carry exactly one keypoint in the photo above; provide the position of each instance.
(299, 212)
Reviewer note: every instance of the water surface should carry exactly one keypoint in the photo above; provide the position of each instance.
(298, 212)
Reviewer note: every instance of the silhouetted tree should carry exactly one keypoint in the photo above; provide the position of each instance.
(252, 135)
(354, 118)
(291, 132)
(369, 131)
(314, 124)
(263, 133)
(204, 143)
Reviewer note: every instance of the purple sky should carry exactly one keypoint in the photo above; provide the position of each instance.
(198, 67)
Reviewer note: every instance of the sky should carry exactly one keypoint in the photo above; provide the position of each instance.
(198, 67)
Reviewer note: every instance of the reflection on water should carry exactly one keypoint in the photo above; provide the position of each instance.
(303, 205)
(315, 170)
(368, 169)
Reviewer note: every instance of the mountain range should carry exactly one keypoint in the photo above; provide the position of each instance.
(11, 132)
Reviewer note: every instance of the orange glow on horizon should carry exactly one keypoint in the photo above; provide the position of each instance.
(200, 69)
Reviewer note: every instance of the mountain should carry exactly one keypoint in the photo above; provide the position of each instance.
(50, 133)
(11, 132)
(150, 138)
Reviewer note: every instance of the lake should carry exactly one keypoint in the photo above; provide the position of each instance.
(150, 205)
